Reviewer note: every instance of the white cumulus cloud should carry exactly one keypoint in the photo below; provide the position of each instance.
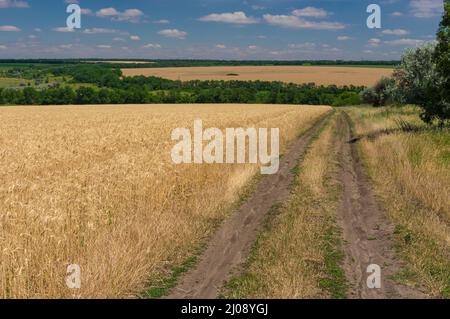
(310, 12)
(238, 17)
(98, 30)
(87, 12)
(104, 46)
(373, 43)
(13, 4)
(291, 21)
(173, 33)
(152, 46)
(405, 42)
(9, 28)
(426, 8)
(63, 29)
(130, 15)
(397, 32)
(303, 46)
(162, 21)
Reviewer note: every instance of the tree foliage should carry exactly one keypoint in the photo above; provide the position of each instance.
(381, 94)
(417, 75)
(441, 58)
(105, 85)
(422, 78)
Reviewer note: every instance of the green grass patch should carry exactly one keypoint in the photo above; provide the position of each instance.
(434, 261)
(13, 82)
(336, 282)
(165, 285)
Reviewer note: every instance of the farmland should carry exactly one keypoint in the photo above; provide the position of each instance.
(321, 75)
(85, 84)
(95, 186)
(211, 159)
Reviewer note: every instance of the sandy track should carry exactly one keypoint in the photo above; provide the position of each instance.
(367, 233)
(230, 245)
(321, 75)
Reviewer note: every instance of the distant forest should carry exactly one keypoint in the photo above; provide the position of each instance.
(191, 63)
(100, 84)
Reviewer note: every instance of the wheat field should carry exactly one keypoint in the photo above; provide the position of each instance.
(321, 75)
(95, 186)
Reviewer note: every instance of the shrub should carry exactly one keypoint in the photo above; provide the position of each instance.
(423, 77)
(381, 94)
(369, 96)
(417, 75)
(347, 98)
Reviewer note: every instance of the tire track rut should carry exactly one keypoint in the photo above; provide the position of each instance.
(367, 233)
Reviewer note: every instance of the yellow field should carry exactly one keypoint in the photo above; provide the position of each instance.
(95, 186)
(321, 75)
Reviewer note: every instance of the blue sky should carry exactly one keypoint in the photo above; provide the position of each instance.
(216, 29)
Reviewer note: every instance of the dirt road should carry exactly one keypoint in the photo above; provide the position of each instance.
(230, 245)
(367, 233)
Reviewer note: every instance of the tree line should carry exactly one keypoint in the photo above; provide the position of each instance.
(214, 92)
(106, 85)
(158, 63)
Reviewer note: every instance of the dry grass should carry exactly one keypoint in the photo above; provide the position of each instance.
(411, 172)
(296, 256)
(321, 75)
(95, 186)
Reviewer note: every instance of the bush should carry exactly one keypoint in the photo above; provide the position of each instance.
(347, 98)
(423, 77)
(381, 94)
(369, 96)
(417, 75)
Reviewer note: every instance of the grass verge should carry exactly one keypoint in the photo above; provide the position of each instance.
(410, 173)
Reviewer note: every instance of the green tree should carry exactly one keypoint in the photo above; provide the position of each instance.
(30, 96)
(263, 97)
(417, 75)
(86, 95)
(419, 81)
(441, 57)
(347, 98)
